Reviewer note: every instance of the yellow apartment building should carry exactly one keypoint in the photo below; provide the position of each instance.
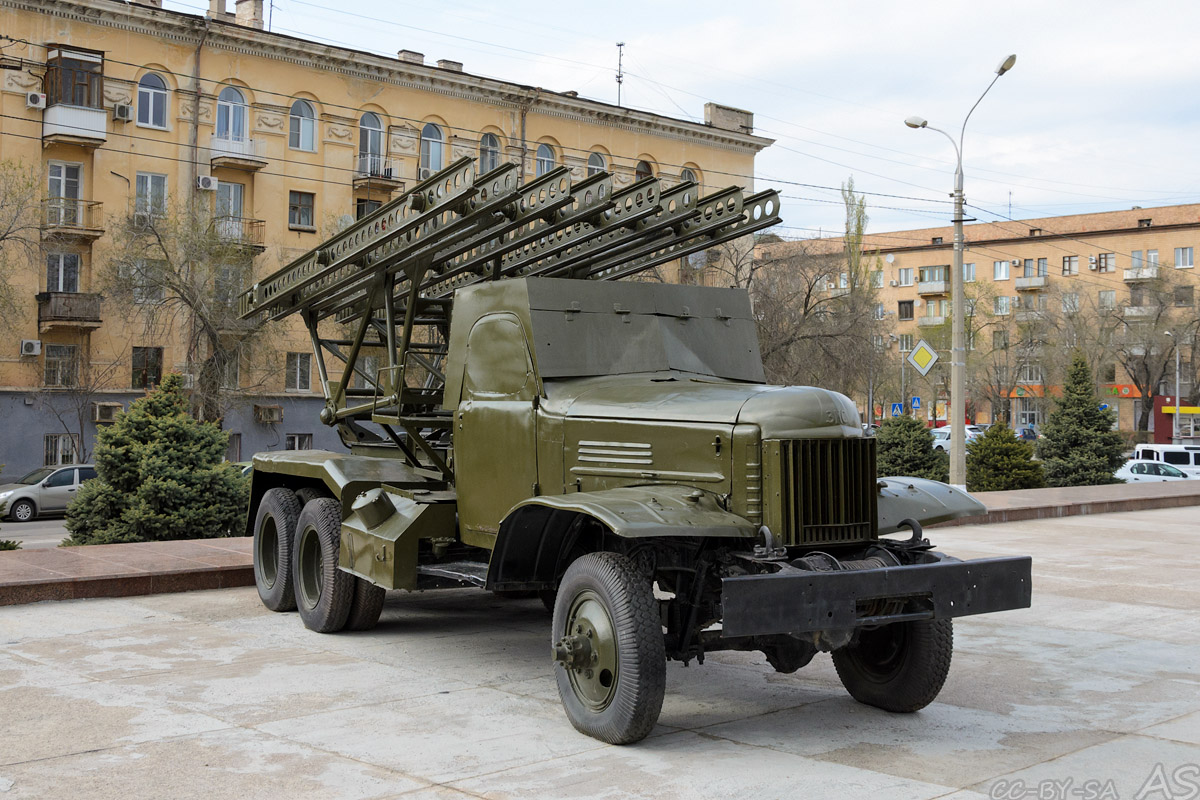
(127, 112)
(1110, 282)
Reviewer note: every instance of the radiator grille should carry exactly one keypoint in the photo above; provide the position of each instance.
(826, 490)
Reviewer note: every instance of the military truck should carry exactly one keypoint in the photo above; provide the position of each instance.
(519, 418)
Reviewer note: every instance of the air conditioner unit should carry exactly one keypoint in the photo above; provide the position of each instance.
(893, 283)
(425, 173)
(1091, 262)
(106, 412)
(31, 347)
(268, 415)
(207, 183)
(123, 112)
(1016, 262)
(35, 100)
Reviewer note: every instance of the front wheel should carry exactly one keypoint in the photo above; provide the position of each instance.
(608, 642)
(899, 667)
(23, 511)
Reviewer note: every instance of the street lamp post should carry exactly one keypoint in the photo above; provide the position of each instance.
(958, 350)
(1175, 421)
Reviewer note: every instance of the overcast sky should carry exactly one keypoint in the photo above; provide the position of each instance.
(1099, 113)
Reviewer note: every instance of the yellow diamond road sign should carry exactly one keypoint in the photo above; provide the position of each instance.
(923, 357)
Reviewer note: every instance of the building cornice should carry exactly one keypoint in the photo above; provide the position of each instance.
(191, 29)
(1008, 240)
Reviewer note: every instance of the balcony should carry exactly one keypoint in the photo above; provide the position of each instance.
(839, 291)
(931, 322)
(242, 232)
(242, 153)
(64, 124)
(66, 217)
(377, 171)
(68, 310)
(1028, 314)
(1140, 312)
(933, 287)
(1031, 284)
(1146, 273)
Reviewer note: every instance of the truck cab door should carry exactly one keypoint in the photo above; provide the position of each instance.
(495, 427)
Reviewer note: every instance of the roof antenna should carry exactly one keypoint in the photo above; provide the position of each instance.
(620, 74)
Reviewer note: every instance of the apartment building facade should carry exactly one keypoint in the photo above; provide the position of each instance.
(1111, 283)
(128, 112)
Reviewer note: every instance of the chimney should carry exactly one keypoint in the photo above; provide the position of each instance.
(216, 10)
(250, 13)
(151, 3)
(453, 66)
(411, 57)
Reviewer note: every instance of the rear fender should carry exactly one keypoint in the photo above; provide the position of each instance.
(926, 501)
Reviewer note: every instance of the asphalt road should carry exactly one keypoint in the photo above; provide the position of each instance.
(1092, 693)
(36, 534)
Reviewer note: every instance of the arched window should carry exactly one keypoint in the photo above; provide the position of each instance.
(596, 163)
(689, 175)
(302, 127)
(545, 159)
(489, 152)
(370, 144)
(152, 101)
(433, 150)
(643, 170)
(231, 115)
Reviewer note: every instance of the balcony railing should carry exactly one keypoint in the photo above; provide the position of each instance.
(1140, 312)
(1036, 282)
(75, 124)
(68, 309)
(931, 322)
(377, 169)
(241, 231)
(237, 152)
(1146, 273)
(70, 216)
(933, 287)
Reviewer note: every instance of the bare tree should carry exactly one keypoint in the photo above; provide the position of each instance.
(71, 404)
(21, 189)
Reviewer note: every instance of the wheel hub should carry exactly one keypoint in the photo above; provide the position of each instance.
(587, 651)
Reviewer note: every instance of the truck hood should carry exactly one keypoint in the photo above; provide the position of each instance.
(781, 412)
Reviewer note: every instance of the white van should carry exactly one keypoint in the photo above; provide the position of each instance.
(1184, 456)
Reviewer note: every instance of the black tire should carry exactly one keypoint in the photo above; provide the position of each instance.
(324, 593)
(23, 511)
(274, 530)
(899, 667)
(624, 707)
(308, 493)
(365, 607)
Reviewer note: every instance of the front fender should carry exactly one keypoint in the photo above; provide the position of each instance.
(924, 500)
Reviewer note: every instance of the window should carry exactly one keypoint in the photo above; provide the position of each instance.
(877, 279)
(228, 285)
(904, 310)
(969, 307)
(643, 170)
(302, 127)
(877, 341)
(1106, 262)
(935, 308)
(62, 272)
(1137, 296)
(64, 189)
(1135, 260)
(1070, 265)
(1183, 257)
(367, 373)
(1143, 223)
(144, 276)
(1030, 373)
(1152, 258)
(300, 210)
(968, 273)
(152, 101)
(74, 78)
(432, 150)
(689, 175)
(370, 144)
(231, 115)
(60, 365)
(1035, 231)
(151, 194)
(906, 342)
(905, 276)
(59, 448)
(1000, 270)
(545, 159)
(1043, 268)
(999, 340)
(1108, 299)
(1027, 412)
(879, 311)
(1002, 305)
(596, 163)
(1184, 295)
(298, 441)
(147, 367)
(299, 367)
(844, 280)
(364, 207)
(936, 240)
(64, 477)
(926, 274)
(1108, 373)
(1070, 302)
(489, 152)
(231, 376)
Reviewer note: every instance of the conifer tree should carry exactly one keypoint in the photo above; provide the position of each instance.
(905, 448)
(1080, 447)
(159, 476)
(998, 461)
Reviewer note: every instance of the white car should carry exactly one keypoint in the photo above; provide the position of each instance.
(941, 436)
(1142, 470)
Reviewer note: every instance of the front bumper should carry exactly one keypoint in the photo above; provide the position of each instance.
(802, 601)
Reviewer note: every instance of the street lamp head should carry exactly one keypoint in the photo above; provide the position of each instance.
(916, 122)
(1006, 64)
(1168, 333)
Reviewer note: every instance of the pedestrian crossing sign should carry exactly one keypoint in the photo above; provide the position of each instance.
(897, 409)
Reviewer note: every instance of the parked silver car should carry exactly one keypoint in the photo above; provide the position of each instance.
(46, 490)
